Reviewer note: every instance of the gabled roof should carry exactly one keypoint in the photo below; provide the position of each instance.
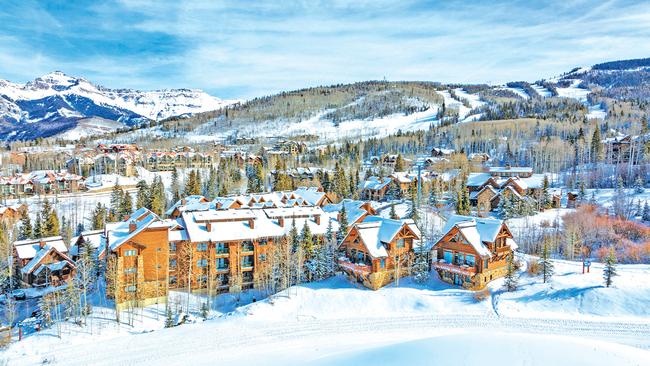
(120, 233)
(375, 183)
(27, 249)
(477, 179)
(376, 231)
(488, 229)
(40, 255)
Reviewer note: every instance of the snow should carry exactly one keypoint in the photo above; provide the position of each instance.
(596, 112)
(571, 320)
(474, 99)
(542, 91)
(573, 91)
(519, 91)
(90, 127)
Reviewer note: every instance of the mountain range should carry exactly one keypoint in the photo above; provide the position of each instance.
(57, 104)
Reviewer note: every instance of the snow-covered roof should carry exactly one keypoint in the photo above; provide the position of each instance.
(477, 179)
(95, 238)
(534, 181)
(40, 255)
(476, 230)
(121, 233)
(376, 231)
(375, 183)
(497, 170)
(27, 249)
(266, 223)
(310, 194)
(353, 209)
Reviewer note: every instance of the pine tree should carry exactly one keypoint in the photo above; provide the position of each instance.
(343, 225)
(175, 186)
(99, 217)
(511, 281)
(393, 214)
(26, 231)
(307, 240)
(210, 189)
(646, 212)
(638, 185)
(546, 196)
(596, 146)
(51, 224)
(610, 267)
(421, 265)
(293, 236)
(169, 317)
(143, 197)
(126, 207)
(204, 310)
(158, 197)
(545, 262)
(38, 226)
(399, 163)
(117, 195)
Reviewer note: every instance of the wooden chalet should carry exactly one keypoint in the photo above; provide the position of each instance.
(378, 250)
(472, 251)
(13, 213)
(375, 188)
(43, 262)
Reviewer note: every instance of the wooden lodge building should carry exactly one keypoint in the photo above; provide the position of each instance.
(472, 251)
(378, 250)
(43, 262)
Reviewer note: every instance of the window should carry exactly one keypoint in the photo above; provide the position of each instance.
(172, 280)
(263, 242)
(130, 270)
(247, 261)
(130, 253)
(382, 263)
(460, 259)
(130, 289)
(262, 257)
(172, 247)
(172, 263)
(202, 263)
(221, 248)
(400, 243)
(485, 264)
(222, 263)
(203, 279)
(247, 246)
(201, 247)
(449, 255)
(469, 260)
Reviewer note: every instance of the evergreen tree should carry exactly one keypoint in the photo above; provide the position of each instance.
(175, 186)
(143, 197)
(51, 224)
(26, 231)
(99, 217)
(546, 196)
(393, 214)
(511, 281)
(294, 239)
(158, 196)
(638, 185)
(610, 267)
(211, 184)
(307, 240)
(421, 265)
(38, 226)
(126, 207)
(343, 225)
(169, 317)
(117, 195)
(596, 146)
(545, 262)
(646, 212)
(399, 163)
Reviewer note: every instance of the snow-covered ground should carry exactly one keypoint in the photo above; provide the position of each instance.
(338, 322)
(542, 91)
(573, 91)
(519, 91)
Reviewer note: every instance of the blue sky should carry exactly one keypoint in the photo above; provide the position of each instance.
(245, 48)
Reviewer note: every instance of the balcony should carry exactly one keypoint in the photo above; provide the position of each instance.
(222, 251)
(246, 248)
(504, 250)
(362, 269)
(460, 269)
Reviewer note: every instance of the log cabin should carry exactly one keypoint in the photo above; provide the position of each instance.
(375, 188)
(472, 251)
(378, 250)
(43, 262)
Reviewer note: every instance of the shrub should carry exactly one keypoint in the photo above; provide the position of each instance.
(482, 295)
(533, 267)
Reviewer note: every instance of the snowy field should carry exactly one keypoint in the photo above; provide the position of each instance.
(542, 91)
(573, 319)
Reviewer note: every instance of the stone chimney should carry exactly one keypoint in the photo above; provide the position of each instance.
(317, 219)
(251, 223)
(132, 226)
(41, 244)
(281, 221)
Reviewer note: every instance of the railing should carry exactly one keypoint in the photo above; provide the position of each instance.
(247, 248)
(222, 251)
(460, 269)
(356, 268)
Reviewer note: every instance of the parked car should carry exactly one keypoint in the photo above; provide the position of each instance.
(18, 294)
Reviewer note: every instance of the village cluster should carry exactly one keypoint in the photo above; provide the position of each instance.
(269, 241)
